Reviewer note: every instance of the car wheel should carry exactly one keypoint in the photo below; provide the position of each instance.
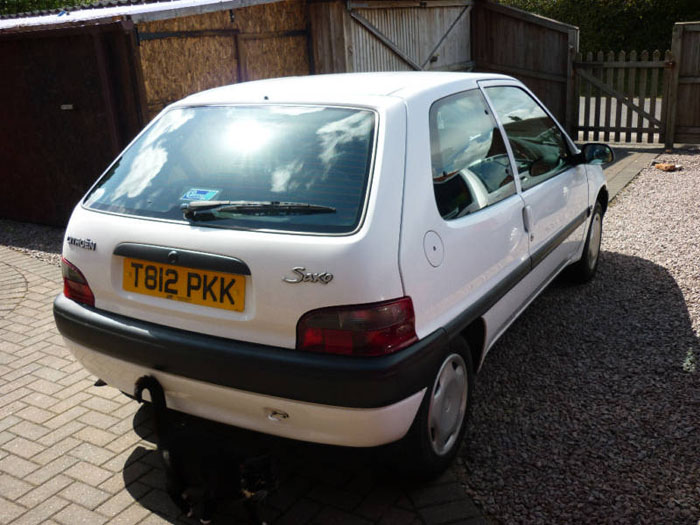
(583, 270)
(437, 431)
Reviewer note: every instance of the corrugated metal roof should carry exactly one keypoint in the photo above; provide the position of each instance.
(111, 10)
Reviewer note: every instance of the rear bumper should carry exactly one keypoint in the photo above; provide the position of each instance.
(340, 381)
(352, 427)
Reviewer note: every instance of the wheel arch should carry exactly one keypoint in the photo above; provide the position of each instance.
(475, 336)
(603, 198)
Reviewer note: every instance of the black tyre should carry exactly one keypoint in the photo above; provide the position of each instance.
(437, 431)
(583, 270)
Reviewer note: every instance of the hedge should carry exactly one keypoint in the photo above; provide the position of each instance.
(617, 24)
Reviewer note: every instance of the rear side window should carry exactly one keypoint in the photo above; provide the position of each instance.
(261, 155)
(470, 163)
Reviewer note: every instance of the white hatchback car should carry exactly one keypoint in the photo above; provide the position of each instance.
(329, 258)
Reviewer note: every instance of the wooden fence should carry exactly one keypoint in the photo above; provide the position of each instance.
(620, 98)
(683, 115)
(536, 50)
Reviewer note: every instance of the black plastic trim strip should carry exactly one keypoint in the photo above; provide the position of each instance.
(490, 298)
(185, 258)
(357, 382)
(551, 245)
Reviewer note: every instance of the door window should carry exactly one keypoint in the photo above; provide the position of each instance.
(538, 145)
(470, 164)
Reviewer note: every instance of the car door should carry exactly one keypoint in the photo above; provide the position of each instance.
(554, 187)
(463, 243)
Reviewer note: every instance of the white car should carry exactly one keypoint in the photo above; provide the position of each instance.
(329, 258)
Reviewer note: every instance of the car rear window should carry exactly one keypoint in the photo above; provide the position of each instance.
(264, 155)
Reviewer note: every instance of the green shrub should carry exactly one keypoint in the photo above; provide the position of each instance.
(617, 24)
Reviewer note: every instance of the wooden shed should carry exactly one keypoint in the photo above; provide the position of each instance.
(80, 83)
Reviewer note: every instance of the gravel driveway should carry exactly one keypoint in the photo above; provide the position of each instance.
(588, 409)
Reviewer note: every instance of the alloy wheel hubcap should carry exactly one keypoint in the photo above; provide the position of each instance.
(448, 403)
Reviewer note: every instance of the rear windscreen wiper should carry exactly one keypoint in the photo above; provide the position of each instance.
(206, 210)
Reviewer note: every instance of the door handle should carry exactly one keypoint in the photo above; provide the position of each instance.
(527, 221)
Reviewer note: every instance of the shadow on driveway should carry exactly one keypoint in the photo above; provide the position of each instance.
(587, 409)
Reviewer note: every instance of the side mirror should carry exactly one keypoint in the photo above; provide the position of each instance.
(597, 154)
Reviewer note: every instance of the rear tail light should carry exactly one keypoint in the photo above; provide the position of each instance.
(362, 330)
(75, 286)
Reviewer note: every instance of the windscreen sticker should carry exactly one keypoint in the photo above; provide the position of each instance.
(199, 194)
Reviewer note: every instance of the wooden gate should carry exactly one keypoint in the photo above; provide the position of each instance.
(624, 98)
(371, 35)
(683, 114)
(620, 98)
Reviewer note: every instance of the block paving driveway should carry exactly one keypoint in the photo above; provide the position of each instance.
(71, 452)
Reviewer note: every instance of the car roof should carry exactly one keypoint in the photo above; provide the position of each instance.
(362, 88)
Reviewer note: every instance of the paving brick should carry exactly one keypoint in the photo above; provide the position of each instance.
(35, 415)
(48, 471)
(56, 450)
(126, 459)
(22, 447)
(127, 410)
(450, 512)
(116, 504)
(124, 442)
(20, 325)
(98, 419)
(73, 366)
(85, 495)
(61, 433)
(113, 484)
(158, 501)
(11, 397)
(9, 510)
(7, 346)
(20, 373)
(49, 374)
(45, 387)
(12, 337)
(333, 516)
(16, 466)
(68, 403)
(12, 488)
(74, 389)
(81, 377)
(91, 453)
(41, 512)
(11, 409)
(337, 498)
(396, 516)
(44, 491)
(102, 405)
(39, 400)
(302, 512)
(434, 494)
(54, 362)
(29, 430)
(154, 478)
(29, 359)
(377, 502)
(75, 514)
(133, 514)
(288, 493)
(67, 416)
(95, 436)
(155, 519)
(6, 436)
(84, 471)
